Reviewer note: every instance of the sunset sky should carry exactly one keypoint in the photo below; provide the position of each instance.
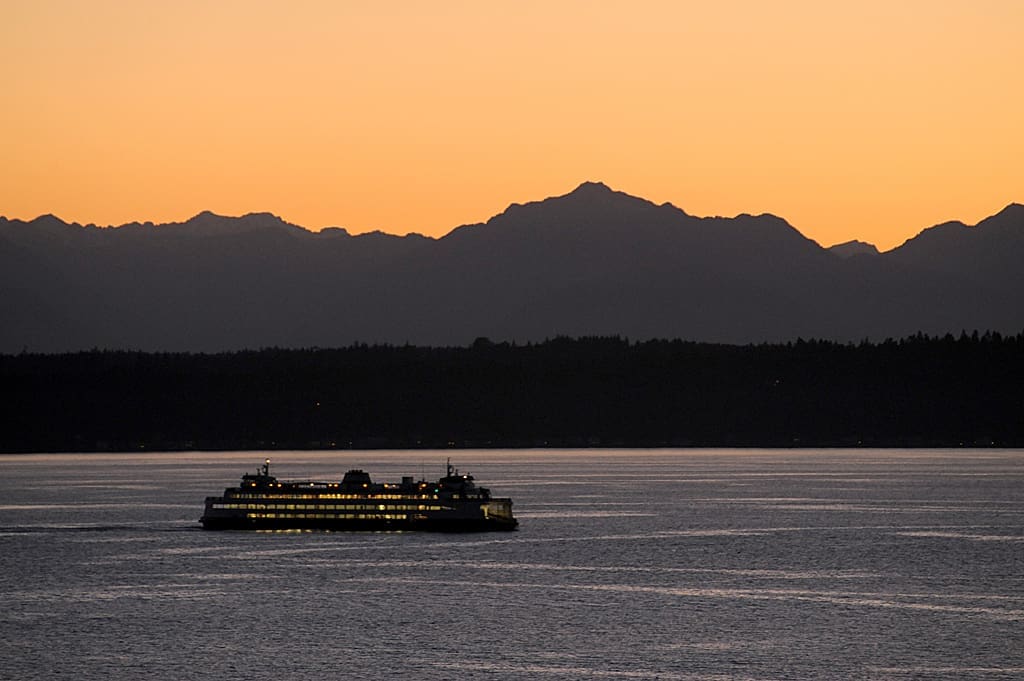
(867, 119)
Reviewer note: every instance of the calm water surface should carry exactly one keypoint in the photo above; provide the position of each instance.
(690, 564)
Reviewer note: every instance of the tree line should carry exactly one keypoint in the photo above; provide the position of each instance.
(604, 391)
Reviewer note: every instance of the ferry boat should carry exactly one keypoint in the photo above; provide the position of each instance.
(452, 504)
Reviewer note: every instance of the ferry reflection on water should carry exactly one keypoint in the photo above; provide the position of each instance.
(452, 504)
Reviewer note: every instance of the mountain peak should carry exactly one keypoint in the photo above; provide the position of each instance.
(1009, 222)
(849, 249)
(49, 220)
(208, 223)
(596, 198)
(1012, 215)
(590, 207)
(590, 188)
(599, 193)
(48, 223)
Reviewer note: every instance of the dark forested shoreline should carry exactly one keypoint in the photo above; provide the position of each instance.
(919, 391)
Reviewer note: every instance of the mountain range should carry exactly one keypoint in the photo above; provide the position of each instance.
(592, 262)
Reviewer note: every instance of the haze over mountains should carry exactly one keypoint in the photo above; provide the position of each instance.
(592, 262)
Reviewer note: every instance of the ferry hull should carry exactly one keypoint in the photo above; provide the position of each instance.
(411, 525)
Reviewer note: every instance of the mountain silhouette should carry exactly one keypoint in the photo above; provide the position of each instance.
(592, 262)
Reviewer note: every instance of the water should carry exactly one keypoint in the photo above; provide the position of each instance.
(714, 564)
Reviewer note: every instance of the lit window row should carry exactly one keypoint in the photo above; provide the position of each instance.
(328, 516)
(244, 495)
(328, 507)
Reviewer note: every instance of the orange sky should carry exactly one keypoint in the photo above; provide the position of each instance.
(864, 119)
